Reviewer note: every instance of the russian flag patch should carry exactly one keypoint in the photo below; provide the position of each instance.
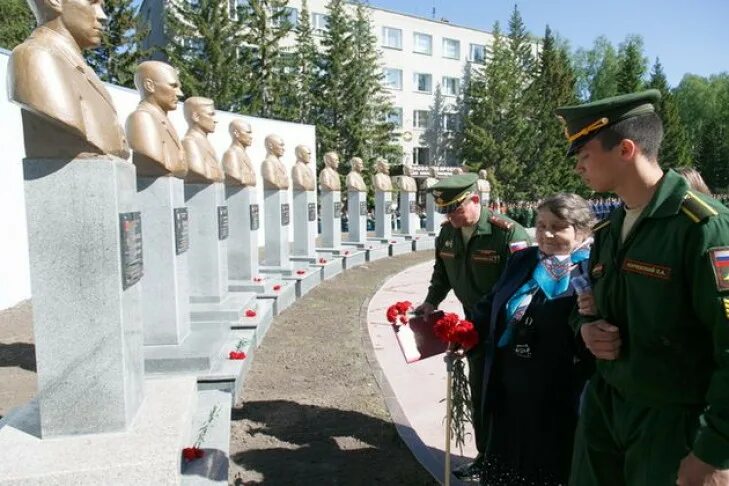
(517, 246)
(720, 266)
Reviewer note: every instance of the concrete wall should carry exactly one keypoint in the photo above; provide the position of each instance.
(14, 275)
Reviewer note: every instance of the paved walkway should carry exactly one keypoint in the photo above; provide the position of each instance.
(414, 393)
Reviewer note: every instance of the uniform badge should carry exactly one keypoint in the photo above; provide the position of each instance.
(646, 269)
(720, 264)
(597, 271)
(448, 244)
(725, 301)
(517, 246)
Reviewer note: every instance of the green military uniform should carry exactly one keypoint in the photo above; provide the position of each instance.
(471, 270)
(666, 287)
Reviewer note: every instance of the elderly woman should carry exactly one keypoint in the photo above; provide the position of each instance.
(536, 368)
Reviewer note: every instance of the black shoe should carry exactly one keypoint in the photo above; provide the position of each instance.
(471, 471)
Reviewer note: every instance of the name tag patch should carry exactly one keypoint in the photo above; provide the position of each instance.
(447, 254)
(598, 270)
(720, 266)
(486, 258)
(652, 270)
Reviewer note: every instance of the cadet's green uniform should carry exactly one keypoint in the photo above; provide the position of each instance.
(471, 270)
(666, 287)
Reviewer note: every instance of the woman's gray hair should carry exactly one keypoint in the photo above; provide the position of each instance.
(571, 208)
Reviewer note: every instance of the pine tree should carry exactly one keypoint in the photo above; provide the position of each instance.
(596, 70)
(116, 59)
(268, 92)
(675, 150)
(633, 65)
(435, 136)
(204, 46)
(306, 70)
(16, 23)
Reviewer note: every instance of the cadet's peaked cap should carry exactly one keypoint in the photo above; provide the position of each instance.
(583, 122)
(451, 192)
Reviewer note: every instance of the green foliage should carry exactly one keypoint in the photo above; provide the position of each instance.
(435, 137)
(632, 65)
(675, 150)
(16, 23)
(306, 69)
(116, 59)
(204, 42)
(596, 70)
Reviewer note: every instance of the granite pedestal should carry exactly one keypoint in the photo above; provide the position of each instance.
(409, 221)
(331, 234)
(383, 215)
(85, 249)
(485, 198)
(305, 224)
(357, 212)
(433, 219)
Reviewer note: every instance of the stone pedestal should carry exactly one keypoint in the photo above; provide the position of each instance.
(305, 224)
(383, 214)
(208, 254)
(432, 217)
(165, 300)
(331, 219)
(357, 212)
(409, 221)
(85, 248)
(244, 215)
(485, 198)
(278, 217)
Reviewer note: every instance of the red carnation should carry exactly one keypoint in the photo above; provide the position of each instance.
(465, 334)
(404, 319)
(277, 287)
(443, 328)
(322, 261)
(393, 241)
(236, 355)
(257, 279)
(250, 313)
(192, 453)
(391, 314)
(300, 272)
(403, 307)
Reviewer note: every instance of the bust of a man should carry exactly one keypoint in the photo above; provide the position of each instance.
(431, 180)
(236, 162)
(157, 149)
(329, 177)
(355, 182)
(202, 161)
(406, 183)
(382, 179)
(66, 110)
(272, 169)
(483, 184)
(301, 175)
(457, 171)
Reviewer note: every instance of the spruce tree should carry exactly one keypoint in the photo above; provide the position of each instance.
(675, 150)
(16, 23)
(306, 70)
(596, 70)
(435, 136)
(633, 65)
(116, 59)
(204, 46)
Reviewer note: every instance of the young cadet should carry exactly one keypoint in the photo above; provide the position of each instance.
(657, 410)
(470, 254)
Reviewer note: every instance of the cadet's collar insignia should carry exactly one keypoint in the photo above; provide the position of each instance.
(597, 271)
(720, 265)
(652, 270)
(725, 301)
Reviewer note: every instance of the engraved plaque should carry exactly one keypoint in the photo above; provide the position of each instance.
(255, 222)
(363, 208)
(413, 207)
(337, 210)
(182, 234)
(222, 222)
(285, 214)
(130, 226)
(312, 211)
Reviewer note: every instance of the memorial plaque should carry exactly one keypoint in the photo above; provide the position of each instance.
(413, 207)
(255, 222)
(222, 222)
(130, 226)
(182, 233)
(337, 210)
(363, 208)
(312, 211)
(285, 214)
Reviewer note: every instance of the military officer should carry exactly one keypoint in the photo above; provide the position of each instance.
(657, 410)
(470, 254)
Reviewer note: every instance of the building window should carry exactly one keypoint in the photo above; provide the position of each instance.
(393, 78)
(319, 23)
(452, 48)
(451, 86)
(420, 119)
(421, 155)
(291, 15)
(391, 38)
(423, 82)
(233, 6)
(449, 121)
(422, 43)
(477, 54)
(395, 117)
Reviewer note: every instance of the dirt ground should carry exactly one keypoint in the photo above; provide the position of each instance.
(311, 412)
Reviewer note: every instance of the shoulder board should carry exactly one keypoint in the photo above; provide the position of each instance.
(445, 222)
(696, 209)
(600, 225)
(500, 222)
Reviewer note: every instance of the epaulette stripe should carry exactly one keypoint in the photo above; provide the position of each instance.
(600, 225)
(691, 215)
(696, 209)
(711, 210)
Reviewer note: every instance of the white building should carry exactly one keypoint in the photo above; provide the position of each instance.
(417, 55)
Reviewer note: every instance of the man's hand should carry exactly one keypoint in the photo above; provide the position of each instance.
(586, 304)
(602, 339)
(695, 472)
(425, 309)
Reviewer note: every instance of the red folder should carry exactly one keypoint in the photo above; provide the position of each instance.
(417, 340)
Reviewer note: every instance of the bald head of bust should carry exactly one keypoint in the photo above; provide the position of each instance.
(200, 112)
(240, 131)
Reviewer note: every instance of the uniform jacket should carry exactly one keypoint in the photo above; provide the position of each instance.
(173, 155)
(668, 294)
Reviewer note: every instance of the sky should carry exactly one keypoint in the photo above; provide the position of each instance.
(689, 36)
